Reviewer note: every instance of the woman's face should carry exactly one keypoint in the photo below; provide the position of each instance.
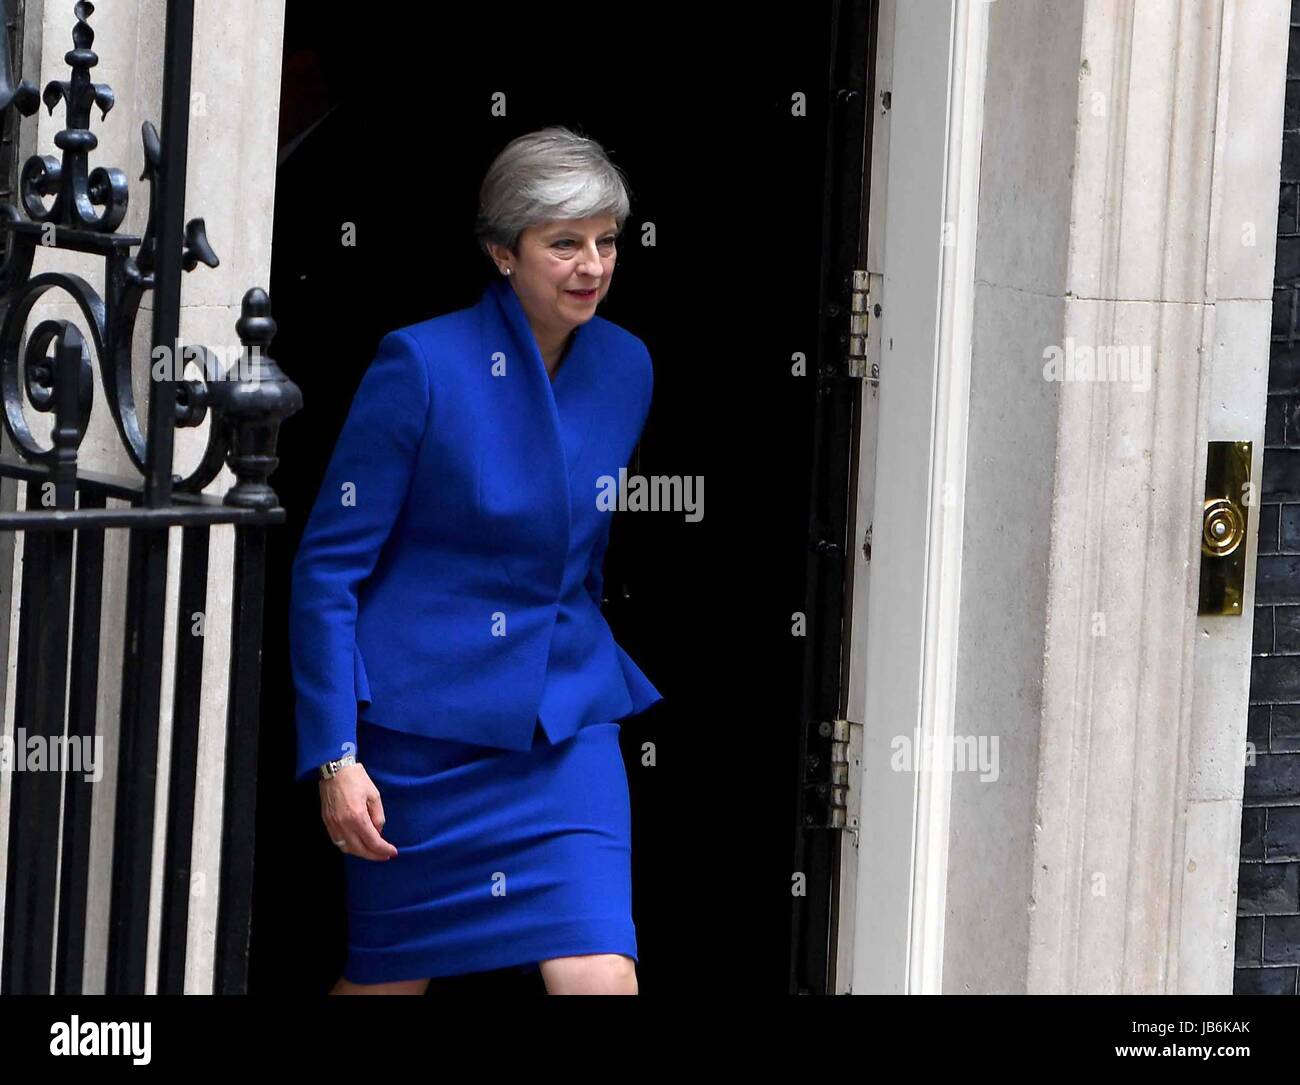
(558, 258)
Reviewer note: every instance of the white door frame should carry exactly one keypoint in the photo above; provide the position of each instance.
(922, 217)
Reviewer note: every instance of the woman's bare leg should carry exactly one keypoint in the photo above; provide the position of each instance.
(590, 974)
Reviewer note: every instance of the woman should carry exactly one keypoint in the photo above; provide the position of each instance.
(458, 689)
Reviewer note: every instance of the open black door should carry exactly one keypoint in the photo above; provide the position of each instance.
(826, 767)
(741, 136)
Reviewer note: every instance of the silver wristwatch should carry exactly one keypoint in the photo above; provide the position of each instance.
(331, 768)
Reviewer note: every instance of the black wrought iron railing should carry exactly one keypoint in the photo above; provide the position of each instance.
(66, 205)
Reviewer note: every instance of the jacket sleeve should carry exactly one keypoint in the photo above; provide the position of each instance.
(365, 486)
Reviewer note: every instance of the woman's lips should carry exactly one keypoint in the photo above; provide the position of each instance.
(582, 293)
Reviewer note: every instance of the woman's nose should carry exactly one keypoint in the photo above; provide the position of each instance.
(590, 263)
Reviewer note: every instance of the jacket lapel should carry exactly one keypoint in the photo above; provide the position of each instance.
(525, 461)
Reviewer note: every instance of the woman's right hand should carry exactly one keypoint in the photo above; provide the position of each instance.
(353, 813)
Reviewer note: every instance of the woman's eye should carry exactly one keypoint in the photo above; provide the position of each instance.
(605, 242)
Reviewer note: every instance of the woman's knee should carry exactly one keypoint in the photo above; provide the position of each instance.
(590, 974)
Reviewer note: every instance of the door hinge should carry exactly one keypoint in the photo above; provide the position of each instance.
(833, 775)
(859, 365)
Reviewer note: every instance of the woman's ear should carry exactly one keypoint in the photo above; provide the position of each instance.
(499, 254)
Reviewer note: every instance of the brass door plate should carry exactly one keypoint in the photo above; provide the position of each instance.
(1225, 516)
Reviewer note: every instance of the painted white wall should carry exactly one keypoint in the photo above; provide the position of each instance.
(1126, 196)
(1020, 266)
(1143, 740)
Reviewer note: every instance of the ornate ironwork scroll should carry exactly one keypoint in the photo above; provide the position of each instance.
(84, 211)
(64, 204)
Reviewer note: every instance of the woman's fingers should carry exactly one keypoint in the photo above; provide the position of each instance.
(352, 812)
(376, 810)
(367, 841)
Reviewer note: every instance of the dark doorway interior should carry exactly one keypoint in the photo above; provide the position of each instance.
(697, 110)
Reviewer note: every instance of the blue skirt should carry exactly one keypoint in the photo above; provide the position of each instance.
(504, 858)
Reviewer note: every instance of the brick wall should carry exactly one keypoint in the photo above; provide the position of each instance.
(1268, 902)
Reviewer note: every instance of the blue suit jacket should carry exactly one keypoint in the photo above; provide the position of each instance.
(448, 581)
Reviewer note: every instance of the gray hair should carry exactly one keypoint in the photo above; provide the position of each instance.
(543, 176)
